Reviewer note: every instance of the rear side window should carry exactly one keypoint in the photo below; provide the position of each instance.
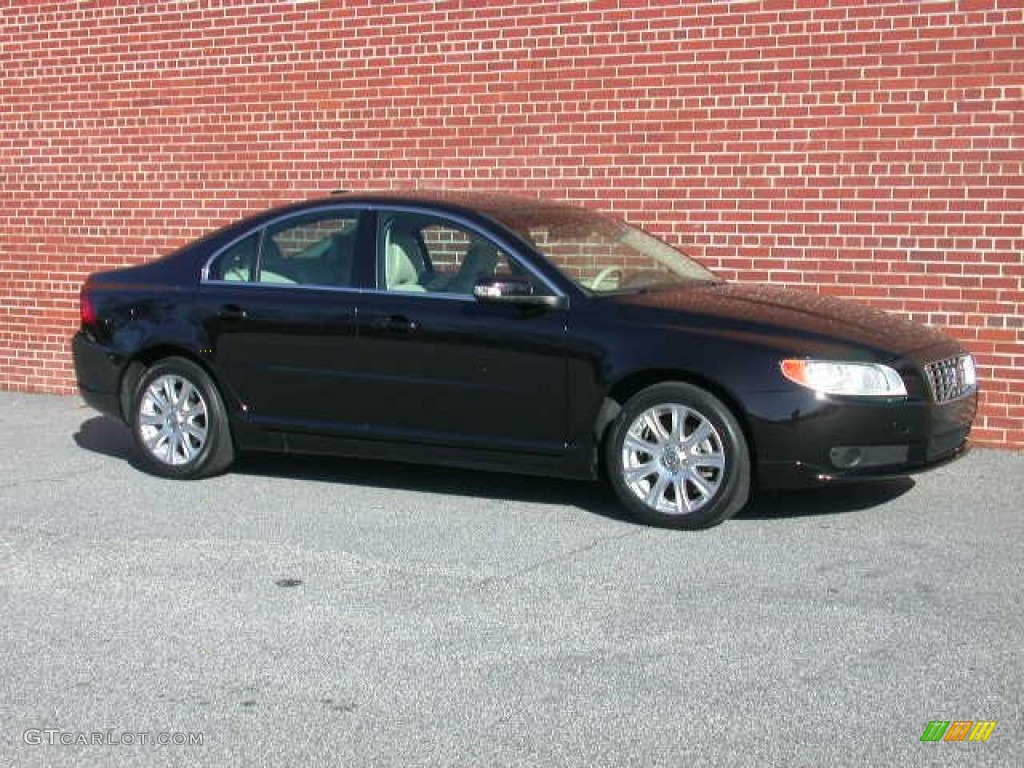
(312, 250)
(317, 249)
(237, 263)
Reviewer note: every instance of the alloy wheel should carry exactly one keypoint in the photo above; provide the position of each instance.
(673, 459)
(173, 420)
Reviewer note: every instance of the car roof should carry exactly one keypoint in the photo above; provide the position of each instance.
(495, 205)
(442, 197)
(505, 209)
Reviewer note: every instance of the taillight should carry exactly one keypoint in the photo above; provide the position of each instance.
(86, 308)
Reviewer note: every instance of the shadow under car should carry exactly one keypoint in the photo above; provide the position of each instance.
(106, 436)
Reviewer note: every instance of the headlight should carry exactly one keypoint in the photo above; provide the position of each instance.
(833, 377)
(970, 371)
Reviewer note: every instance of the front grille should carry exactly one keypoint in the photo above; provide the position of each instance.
(951, 378)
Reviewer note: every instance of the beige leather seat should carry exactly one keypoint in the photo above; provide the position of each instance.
(480, 261)
(400, 270)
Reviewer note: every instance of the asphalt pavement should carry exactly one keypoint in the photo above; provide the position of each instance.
(309, 611)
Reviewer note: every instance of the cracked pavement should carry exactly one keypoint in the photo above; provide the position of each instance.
(304, 611)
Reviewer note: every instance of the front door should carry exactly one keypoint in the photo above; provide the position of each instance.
(445, 369)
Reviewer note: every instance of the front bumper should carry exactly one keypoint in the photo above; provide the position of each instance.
(804, 440)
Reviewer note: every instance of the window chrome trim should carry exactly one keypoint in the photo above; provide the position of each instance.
(284, 286)
(359, 208)
(343, 289)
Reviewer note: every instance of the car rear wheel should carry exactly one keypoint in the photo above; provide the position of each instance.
(676, 457)
(179, 423)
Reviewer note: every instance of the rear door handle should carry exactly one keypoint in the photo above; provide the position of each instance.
(231, 312)
(393, 324)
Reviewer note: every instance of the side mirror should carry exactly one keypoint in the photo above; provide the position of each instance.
(510, 289)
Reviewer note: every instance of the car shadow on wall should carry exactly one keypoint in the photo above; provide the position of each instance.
(109, 437)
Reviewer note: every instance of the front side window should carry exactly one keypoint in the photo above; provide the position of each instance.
(427, 254)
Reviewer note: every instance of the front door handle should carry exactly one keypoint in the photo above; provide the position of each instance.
(231, 312)
(393, 324)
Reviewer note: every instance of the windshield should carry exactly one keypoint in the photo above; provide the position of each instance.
(600, 253)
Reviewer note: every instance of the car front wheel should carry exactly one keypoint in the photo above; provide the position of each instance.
(179, 424)
(676, 457)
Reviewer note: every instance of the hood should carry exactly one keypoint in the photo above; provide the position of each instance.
(810, 318)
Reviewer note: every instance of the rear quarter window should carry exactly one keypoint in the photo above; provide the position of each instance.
(236, 264)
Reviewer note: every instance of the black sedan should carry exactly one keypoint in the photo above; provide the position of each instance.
(513, 334)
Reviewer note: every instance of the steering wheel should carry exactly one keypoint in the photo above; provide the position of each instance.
(604, 274)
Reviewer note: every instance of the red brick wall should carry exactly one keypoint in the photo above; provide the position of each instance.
(864, 149)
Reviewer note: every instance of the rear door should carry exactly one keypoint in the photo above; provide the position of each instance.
(280, 308)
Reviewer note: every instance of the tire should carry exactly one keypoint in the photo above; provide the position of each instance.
(677, 458)
(179, 423)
